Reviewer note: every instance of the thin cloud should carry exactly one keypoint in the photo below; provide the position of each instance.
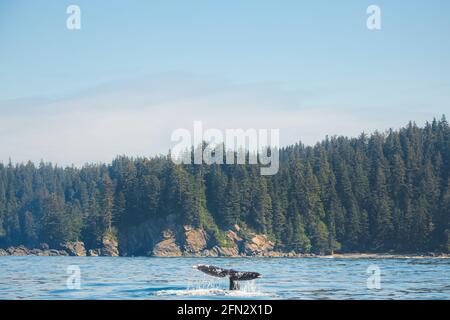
(137, 119)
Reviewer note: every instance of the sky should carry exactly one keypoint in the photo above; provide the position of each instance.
(138, 70)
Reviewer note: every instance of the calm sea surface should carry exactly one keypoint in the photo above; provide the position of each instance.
(174, 278)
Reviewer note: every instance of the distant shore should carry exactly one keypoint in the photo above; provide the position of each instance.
(22, 251)
(386, 256)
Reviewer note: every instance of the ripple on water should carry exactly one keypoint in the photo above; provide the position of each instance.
(173, 278)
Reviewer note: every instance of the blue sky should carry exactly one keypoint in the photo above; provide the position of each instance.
(309, 68)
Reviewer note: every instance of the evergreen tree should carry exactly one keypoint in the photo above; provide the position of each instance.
(56, 226)
(380, 192)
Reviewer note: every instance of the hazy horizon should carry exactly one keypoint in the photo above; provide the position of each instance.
(137, 71)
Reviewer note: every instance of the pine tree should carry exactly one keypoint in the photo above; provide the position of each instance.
(279, 221)
(298, 240)
(56, 225)
(231, 207)
(381, 225)
(316, 228)
(107, 205)
(2, 205)
(352, 221)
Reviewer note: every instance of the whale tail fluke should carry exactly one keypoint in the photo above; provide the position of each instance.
(233, 275)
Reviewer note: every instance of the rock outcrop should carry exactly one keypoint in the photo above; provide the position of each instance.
(220, 251)
(258, 245)
(110, 247)
(167, 247)
(192, 241)
(53, 252)
(140, 240)
(169, 241)
(232, 236)
(166, 238)
(18, 251)
(23, 251)
(195, 241)
(75, 249)
(94, 252)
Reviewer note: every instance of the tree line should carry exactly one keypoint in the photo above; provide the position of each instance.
(382, 192)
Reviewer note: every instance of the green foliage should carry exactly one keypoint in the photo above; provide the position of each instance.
(58, 226)
(382, 192)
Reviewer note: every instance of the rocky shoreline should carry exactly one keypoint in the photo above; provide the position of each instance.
(193, 242)
(108, 248)
(23, 251)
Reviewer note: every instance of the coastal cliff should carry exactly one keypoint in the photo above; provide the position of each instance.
(186, 241)
(171, 241)
(166, 240)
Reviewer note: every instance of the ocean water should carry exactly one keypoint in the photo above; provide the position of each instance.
(174, 278)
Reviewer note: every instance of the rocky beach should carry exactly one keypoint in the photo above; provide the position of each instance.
(193, 242)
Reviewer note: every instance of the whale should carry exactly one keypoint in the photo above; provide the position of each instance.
(233, 275)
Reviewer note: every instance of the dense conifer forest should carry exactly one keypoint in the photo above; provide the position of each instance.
(373, 193)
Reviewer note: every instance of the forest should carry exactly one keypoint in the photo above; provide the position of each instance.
(384, 192)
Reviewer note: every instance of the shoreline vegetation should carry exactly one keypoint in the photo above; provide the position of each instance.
(384, 192)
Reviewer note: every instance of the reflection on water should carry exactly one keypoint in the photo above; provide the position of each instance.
(174, 278)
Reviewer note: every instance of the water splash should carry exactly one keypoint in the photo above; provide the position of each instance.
(205, 283)
(248, 286)
(214, 287)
